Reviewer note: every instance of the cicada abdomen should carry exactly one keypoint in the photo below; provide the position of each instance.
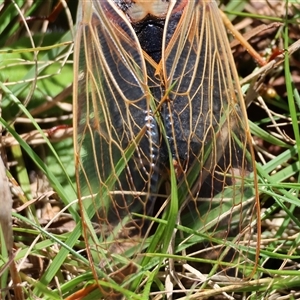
(162, 137)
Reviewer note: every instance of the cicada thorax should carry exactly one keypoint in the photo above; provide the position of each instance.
(148, 21)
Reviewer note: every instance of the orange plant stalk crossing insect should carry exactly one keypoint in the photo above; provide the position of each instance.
(163, 149)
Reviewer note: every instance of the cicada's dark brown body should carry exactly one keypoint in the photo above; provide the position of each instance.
(157, 97)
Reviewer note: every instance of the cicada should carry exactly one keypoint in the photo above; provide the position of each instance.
(165, 167)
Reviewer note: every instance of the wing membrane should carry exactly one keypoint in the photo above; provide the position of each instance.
(113, 114)
(135, 114)
(207, 126)
(205, 103)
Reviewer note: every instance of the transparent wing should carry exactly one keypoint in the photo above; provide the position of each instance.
(206, 123)
(117, 139)
(146, 111)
